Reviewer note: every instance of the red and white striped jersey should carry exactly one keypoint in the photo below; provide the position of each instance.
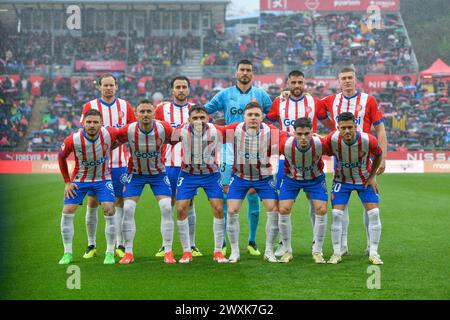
(91, 157)
(362, 105)
(252, 153)
(352, 161)
(117, 114)
(145, 147)
(303, 165)
(176, 115)
(200, 151)
(287, 111)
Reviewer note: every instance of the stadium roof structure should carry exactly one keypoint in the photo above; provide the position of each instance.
(438, 68)
(114, 1)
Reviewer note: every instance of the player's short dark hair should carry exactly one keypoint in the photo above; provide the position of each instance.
(144, 101)
(198, 108)
(106, 75)
(243, 61)
(347, 69)
(252, 105)
(346, 116)
(180, 78)
(92, 112)
(296, 73)
(303, 122)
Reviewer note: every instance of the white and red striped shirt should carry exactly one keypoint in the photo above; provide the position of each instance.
(252, 153)
(352, 161)
(91, 157)
(303, 165)
(117, 114)
(362, 105)
(145, 147)
(176, 115)
(286, 112)
(200, 151)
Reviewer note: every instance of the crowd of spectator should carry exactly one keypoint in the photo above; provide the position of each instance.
(416, 118)
(378, 47)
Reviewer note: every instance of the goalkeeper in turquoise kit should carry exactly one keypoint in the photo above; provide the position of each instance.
(232, 101)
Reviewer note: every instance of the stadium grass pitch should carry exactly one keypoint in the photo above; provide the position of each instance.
(415, 214)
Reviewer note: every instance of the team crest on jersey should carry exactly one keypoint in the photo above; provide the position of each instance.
(158, 141)
(121, 114)
(105, 147)
(308, 109)
(360, 107)
(63, 146)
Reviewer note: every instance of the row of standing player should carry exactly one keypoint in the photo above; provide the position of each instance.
(231, 101)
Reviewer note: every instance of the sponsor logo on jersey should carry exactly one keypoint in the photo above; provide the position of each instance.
(288, 122)
(234, 111)
(146, 155)
(300, 168)
(94, 163)
(352, 164)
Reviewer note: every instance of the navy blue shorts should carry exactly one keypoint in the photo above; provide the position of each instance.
(119, 177)
(316, 188)
(265, 188)
(340, 193)
(159, 184)
(189, 183)
(103, 190)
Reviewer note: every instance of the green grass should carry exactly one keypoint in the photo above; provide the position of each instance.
(415, 213)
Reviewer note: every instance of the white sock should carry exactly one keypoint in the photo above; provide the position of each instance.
(67, 231)
(285, 226)
(312, 213)
(271, 230)
(128, 224)
(183, 234)
(110, 233)
(233, 232)
(374, 230)
(320, 229)
(218, 228)
(91, 224)
(345, 222)
(167, 225)
(119, 219)
(366, 225)
(336, 230)
(192, 220)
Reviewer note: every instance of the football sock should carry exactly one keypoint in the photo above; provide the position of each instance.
(285, 226)
(336, 230)
(253, 215)
(320, 229)
(128, 224)
(218, 228)
(91, 224)
(366, 225)
(233, 232)
(67, 231)
(374, 230)
(183, 234)
(167, 224)
(225, 214)
(345, 222)
(119, 217)
(192, 220)
(312, 213)
(271, 230)
(110, 233)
